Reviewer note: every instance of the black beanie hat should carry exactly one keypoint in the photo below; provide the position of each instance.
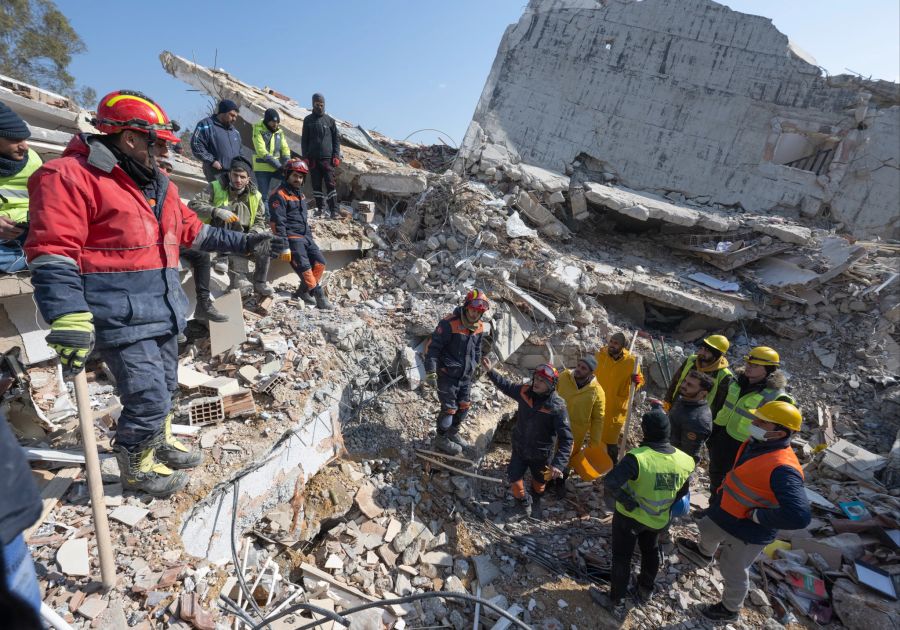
(318, 97)
(271, 115)
(227, 105)
(240, 163)
(11, 124)
(655, 424)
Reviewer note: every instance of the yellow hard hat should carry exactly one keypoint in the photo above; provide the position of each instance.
(763, 355)
(780, 412)
(718, 342)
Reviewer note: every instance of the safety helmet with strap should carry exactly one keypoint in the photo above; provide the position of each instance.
(548, 373)
(125, 109)
(780, 412)
(476, 299)
(295, 165)
(719, 343)
(763, 355)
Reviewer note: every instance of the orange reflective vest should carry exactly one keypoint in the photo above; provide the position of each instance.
(747, 486)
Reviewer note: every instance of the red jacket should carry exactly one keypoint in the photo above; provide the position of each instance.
(95, 243)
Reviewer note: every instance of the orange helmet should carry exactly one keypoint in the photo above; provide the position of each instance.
(125, 109)
(295, 165)
(476, 299)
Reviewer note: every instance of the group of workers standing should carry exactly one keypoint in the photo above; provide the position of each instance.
(745, 417)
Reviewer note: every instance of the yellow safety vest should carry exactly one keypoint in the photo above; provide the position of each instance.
(277, 147)
(660, 477)
(14, 190)
(689, 365)
(735, 414)
(221, 199)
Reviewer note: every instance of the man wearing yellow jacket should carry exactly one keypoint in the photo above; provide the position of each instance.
(586, 403)
(615, 373)
(270, 151)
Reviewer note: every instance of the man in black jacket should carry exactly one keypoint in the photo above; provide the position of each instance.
(215, 140)
(542, 438)
(322, 149)
(690, 416)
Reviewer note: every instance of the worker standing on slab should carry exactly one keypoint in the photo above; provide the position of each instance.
(215, 140)
(762, 494)
(542, 437)
(709, 359)
(270, 151)
(644, 486)
(615, 373)
(321, 147)
(232, 202)
(106, 227)
(761, 381)
(17, 163)
(289, 219)
(586, 405)
(452, 354)
(690, 416)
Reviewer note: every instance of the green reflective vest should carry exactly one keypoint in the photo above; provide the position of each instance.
(735, 414)
(660, 477)
(265, 142)
(220, 199)
(689, 365)
(14, 190)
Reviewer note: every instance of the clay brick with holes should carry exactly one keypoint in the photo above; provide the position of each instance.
(206, 410)
(220, 386)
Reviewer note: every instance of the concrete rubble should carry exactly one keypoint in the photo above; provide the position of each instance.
(315, 431)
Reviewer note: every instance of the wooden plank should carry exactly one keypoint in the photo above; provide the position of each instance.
(52, 493)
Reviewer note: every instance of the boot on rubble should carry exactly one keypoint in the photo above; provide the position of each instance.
(444, 444)
(172, 452)
(536, 512)
(239, 282)
(322, 302)
(302, 292)
(140, 470)
(263, 289)
(207, 311)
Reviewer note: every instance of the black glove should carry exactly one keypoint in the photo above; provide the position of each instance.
(277, 245)
(273, 162)
(260, 244)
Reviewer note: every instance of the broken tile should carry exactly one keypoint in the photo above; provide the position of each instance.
(438, 558)
(129, 514)
(393, 528)
(92, 607)
(72, 557)
(366, 501)
(224, 336)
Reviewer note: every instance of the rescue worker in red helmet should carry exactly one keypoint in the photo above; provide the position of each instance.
(289, 218)
(542, 438)
(106, 227)
(452, 354)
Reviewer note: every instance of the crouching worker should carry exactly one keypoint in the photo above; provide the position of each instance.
(289, 218)
(762, 494)
(644, 485)
(542, 429)
(106, 227)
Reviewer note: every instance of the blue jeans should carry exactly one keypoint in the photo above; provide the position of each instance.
(265, 180)
(146, 375)
(12, 256)
(20, 575)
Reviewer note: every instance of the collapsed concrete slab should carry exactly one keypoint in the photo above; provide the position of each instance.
(690, 97)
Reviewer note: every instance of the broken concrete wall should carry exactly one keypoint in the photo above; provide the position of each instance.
(690, 97)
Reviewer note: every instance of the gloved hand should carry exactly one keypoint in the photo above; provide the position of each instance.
(272, 162)
(430, 381)
(72, 337)
(224, 214)
(260, 244)
(335, 162)
(637, 379)
(285, 256)
(278, 244)
(667, 406)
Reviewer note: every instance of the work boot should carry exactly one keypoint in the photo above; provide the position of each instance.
(141, 470)
(559, 487)
(263, 289)
(221, 265)
(302, 292)
(523, 506)
(207, 312)
(615, 607)
(691, 550)
(240, 283)
(322, 302)
(170, 450)
(641, 593)
(718, 612)
(536, 512)
(457, 439)
(444, 444)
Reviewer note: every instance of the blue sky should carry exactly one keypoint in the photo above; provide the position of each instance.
(392, 65)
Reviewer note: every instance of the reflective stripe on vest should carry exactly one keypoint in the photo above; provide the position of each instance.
(273, 147)
(747, 487)
(14, 190)
(220, 200)
(660, 477)
(689, 365)
(735, 414)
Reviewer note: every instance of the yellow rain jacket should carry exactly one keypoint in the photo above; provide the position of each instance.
(586, 407)
(615, 379)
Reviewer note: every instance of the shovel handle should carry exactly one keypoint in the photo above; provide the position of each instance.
(95, 482)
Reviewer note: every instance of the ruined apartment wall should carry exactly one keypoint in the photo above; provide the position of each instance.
(687, 96)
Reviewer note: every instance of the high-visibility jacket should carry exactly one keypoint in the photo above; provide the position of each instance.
(220, 199)
(586, 406)
(14, 190)
(747, 486)
(614, 377)
(660, 477)
(735, 414)
(268, 143)
(718, 376)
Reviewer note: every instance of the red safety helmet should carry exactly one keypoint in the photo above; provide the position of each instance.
(548, 373)
(125, 109)
(476, 299)
(296, 165)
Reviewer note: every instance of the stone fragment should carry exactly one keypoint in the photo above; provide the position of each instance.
(462, 225)
(485, 570)
(130, 515)
(759, 597)
(387, 555)
(393, 528)
(438, 558)
(92, 607)
(334, 562)
(454, 585)
(406, 536)
(72, 557)
(365, 501)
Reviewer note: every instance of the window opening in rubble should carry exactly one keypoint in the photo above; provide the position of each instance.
(811, 152)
